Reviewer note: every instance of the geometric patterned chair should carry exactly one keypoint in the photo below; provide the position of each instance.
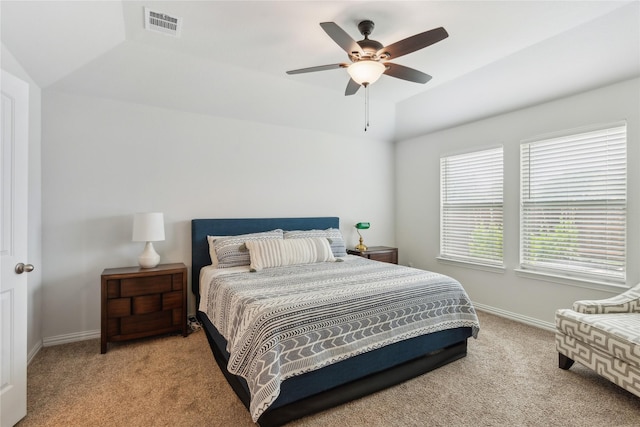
(603, 335)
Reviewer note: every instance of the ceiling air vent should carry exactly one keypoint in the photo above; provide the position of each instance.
(162, 23)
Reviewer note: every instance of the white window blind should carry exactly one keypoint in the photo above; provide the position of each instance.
(574, 204)
(471, 207)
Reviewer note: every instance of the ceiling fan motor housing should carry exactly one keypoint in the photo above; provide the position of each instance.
(369, 47)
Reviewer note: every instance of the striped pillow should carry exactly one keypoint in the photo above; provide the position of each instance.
(277, 253)
(334, 235)
(230, 251)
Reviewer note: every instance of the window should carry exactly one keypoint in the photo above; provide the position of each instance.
(573, 204)
(471, 207)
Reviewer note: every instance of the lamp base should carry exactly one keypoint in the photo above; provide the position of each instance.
(149, 258)
(360, 246)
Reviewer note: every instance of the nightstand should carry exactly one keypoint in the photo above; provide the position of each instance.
(140, 302)
(378, 253)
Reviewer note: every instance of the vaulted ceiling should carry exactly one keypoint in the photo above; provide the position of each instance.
(231, 56)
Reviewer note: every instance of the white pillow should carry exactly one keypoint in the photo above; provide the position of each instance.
(334, 235)
(229, 250)
(277, 253)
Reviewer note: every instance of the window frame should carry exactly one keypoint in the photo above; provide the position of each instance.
(447, 256)
(572, 273)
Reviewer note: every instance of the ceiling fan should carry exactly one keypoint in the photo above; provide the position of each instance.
(368, 57)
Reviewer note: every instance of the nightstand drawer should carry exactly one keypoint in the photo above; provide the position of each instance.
(177, 282)
(113, 289)
(146, 285)
(172, 300)
(119, 307)
(146, 322)
(147, 304)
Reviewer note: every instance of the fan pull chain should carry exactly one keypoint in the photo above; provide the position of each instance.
(366, 107)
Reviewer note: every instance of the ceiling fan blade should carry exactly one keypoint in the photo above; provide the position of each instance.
(343, 39)
(413, 43)
(406, 73)
(352, 87)
(318, 68)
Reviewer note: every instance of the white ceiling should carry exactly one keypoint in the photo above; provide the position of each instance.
(231, 58)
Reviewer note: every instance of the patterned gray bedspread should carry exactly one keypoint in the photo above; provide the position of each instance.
(285, 321)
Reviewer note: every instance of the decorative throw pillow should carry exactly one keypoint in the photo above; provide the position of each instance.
(334, 235)
(212, 249)
(230, 252)
(277, 253)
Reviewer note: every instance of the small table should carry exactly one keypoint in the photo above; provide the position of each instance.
(140, 302)
(378, 253)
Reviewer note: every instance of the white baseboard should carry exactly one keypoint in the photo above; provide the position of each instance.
(33, 352)
(516, 317)
(67, 338)
(89, 335)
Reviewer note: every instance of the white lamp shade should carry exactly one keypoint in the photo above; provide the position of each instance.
(366, 71)
(148, 227)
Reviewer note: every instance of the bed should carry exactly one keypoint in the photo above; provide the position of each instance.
(344, 375)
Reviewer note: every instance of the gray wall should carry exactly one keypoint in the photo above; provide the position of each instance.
(532, 300)
(104, 160)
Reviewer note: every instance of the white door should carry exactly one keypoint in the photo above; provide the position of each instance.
(14, 114)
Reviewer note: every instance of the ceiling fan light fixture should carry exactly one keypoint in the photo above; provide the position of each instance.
(366, 72)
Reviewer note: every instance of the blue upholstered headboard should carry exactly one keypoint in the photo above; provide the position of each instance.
(201, 228)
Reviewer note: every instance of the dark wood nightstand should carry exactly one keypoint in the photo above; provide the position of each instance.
(378, 253)
(140, 302)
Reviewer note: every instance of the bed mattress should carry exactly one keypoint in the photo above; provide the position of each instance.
(283, 322)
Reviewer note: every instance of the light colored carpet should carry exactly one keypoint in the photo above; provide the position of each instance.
(509, 378)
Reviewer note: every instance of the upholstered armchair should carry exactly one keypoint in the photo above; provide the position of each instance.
(603, 335)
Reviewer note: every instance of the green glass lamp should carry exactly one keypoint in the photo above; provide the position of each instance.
(361, 226)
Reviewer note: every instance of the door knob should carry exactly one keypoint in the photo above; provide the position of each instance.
(23, 268)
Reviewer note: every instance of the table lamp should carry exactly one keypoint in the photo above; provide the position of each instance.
(361, 226)
(148, 227)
